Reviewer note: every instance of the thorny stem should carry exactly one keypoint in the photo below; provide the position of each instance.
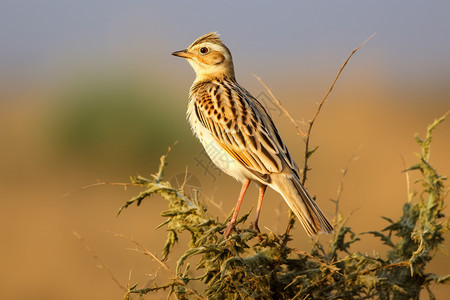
(163, 164)
(157, 177)
(100, 262)
(311, 123)
(341, 186)
(144, 250)
(306, 137)
(125, 185)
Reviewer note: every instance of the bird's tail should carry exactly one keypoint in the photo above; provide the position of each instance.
(301, 203)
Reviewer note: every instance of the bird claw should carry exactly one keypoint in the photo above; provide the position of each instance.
(255, 227)
(229, 228)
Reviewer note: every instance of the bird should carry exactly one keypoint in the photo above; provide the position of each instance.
(240, 137)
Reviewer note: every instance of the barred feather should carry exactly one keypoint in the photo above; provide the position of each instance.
(238, 133)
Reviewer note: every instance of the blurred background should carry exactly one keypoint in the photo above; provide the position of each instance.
(89, 92)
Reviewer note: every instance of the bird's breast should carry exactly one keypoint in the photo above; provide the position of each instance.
(218, 155)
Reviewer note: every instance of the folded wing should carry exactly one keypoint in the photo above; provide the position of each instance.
(243, 128)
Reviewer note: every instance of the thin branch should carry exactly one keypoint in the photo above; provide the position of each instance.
(101, 264)
(100, 184)
(277, 102)
(330, 265)
(341, 184)
(219, 206)
(311, 123)
(185, 179)
(145, 251)
(306, 137)
(394, 265)
(408, 187)
(334, 82)
(157, 177)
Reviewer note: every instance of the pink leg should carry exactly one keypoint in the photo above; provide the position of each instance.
(262, 190)
(232, 222)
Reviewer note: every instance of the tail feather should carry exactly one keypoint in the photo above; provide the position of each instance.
(302, 204)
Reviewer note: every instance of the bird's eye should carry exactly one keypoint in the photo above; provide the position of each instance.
(204, 50)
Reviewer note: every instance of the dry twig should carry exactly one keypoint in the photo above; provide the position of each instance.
(101, 265)
(311, 123)
(142, 249)
(306, 136)
(341, 185)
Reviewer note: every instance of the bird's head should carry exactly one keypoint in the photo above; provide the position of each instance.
(209, 57)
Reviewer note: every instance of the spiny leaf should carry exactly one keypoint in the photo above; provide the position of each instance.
(249, 265)
(385, 239)
(311, 152)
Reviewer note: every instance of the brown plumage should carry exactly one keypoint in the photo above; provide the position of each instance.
(239, 135)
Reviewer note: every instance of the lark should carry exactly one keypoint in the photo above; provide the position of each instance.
(240, 137)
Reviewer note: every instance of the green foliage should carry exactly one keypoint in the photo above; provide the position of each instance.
(101, 117)
(249, 265)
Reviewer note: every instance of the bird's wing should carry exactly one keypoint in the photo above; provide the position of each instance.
(241, 125)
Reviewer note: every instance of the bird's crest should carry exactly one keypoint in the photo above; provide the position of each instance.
(212, 37)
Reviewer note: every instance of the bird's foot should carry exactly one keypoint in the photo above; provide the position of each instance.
(228, 230)
(255, 227)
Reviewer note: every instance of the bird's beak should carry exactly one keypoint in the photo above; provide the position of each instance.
(182, 53)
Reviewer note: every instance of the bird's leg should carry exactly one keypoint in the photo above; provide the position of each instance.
(262, 190)
(236, 209)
